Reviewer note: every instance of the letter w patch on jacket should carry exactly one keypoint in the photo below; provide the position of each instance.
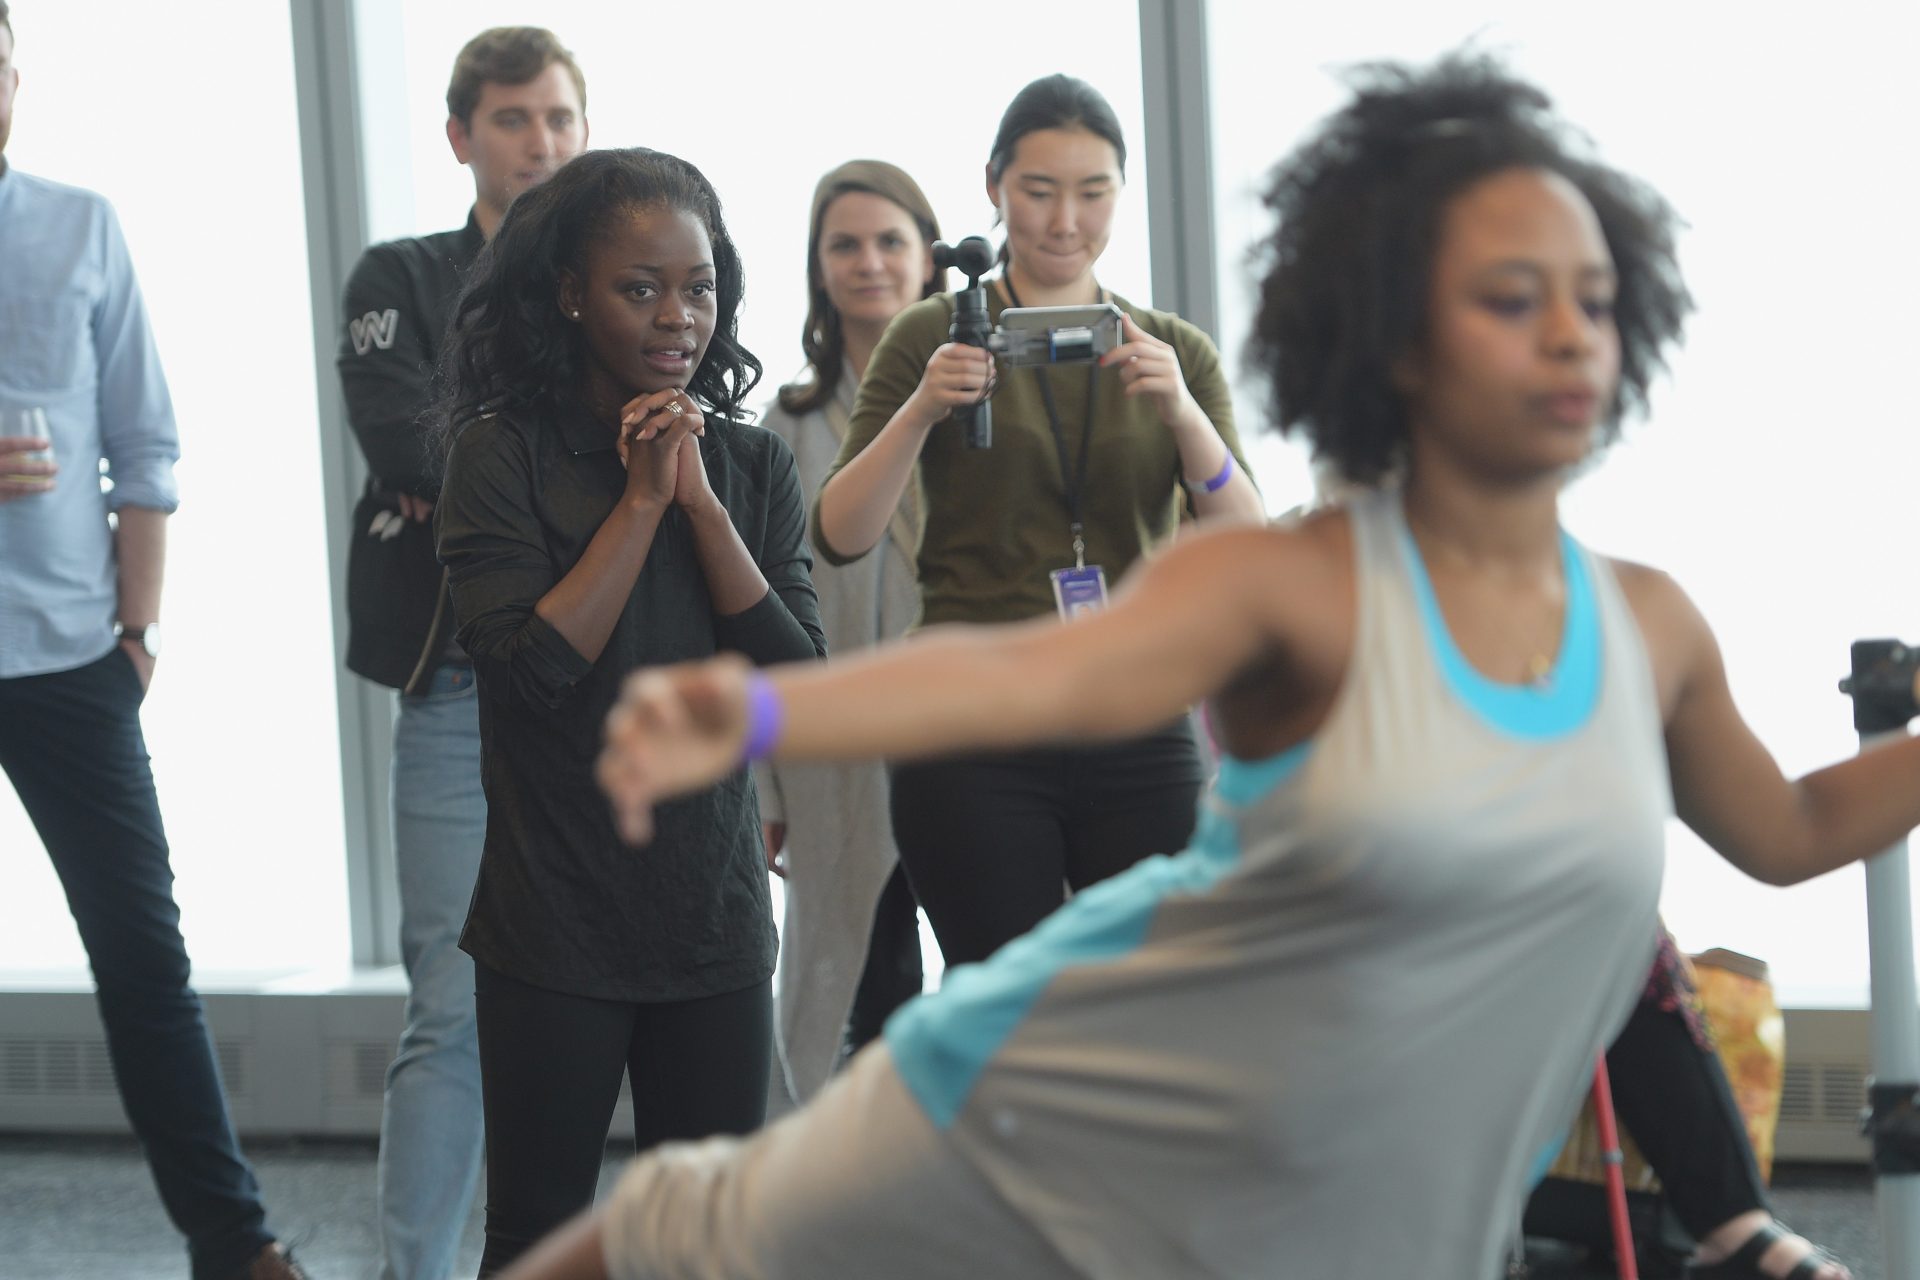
(374, 329)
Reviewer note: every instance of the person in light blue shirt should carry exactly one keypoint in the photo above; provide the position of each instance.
(82, 395)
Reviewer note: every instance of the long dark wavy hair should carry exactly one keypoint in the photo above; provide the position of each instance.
(821, 337)
(1359, 206)
(510, 348)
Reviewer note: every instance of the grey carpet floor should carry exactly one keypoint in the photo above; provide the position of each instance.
(84, 1209)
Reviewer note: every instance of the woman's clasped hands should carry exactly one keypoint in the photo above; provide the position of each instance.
(653, 428)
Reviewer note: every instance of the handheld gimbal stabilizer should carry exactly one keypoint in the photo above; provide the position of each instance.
(974, 258)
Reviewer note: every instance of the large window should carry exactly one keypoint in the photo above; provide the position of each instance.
(1775, 477)
(199, 154)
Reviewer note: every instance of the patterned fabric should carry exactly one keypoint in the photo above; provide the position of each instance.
(1672, 988)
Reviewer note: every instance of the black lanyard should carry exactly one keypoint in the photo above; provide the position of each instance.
(1075, 483)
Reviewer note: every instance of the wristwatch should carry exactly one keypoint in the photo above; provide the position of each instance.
(147, 636)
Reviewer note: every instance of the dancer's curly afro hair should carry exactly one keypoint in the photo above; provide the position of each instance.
(1348, 270)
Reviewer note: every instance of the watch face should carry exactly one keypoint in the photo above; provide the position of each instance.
(147, 637)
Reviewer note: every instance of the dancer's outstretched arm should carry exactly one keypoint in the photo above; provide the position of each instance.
(1726, 785)
(1180, 629)
(574, 1252)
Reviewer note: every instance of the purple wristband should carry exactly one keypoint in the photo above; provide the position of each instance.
(764, 718)
(1219, 482)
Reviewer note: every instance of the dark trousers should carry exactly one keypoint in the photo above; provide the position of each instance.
(992, 843)
(550, 1069)
(1673, 1097)
(71, 745)
(893, 973)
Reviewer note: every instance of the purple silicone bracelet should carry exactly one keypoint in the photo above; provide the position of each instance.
(764, 717)
(1226, 473)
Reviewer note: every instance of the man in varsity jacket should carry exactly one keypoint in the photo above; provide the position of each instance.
(516, 111)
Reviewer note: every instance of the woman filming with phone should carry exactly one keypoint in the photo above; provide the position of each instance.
(1091, 467)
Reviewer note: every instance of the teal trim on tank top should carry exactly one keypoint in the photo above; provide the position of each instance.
(1543, 1163)
(941, 1043)
(1561, 703)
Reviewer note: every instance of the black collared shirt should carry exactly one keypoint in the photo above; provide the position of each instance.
(561, 902)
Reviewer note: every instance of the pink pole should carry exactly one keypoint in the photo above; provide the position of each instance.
(1616, 1175)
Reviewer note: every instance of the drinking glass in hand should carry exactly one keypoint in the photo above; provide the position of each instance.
(26, 452)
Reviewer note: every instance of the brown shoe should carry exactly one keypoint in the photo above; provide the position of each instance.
(272, 1263)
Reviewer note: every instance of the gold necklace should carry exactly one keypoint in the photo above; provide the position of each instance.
(1539, 667)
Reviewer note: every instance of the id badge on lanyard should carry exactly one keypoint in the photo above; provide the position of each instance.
(1082, 589)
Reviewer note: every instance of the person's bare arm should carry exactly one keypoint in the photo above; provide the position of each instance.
(1726, 785)
(1151, 367)
(1179, 629)
(574, 1252)
(586, 604)
(734, 581)
(140, 556)
(859, 499)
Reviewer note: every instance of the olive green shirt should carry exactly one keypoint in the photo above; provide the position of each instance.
(997, 520)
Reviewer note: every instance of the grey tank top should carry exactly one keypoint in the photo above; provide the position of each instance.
(1340, 1034)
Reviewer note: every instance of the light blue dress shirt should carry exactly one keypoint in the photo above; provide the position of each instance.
(74, 342)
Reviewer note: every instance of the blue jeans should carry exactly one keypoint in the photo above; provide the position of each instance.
(71, 743)
(430, 1132)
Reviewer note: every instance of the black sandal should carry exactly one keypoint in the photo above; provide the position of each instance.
(1744, 1263)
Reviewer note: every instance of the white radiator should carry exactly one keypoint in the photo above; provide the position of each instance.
(314, 1063)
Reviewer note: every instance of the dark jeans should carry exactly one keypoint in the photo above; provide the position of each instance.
(71, 744)
(550, 1068)
(992, 843)
(892, 974)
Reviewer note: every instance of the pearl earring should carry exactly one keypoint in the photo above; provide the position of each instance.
(574, 314)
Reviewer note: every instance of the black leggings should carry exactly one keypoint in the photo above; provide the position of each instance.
(892, 974)
(550, 1068)
(993, 842)
(1674, 1099)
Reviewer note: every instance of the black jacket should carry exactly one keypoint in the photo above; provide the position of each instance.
(393, 319)
(561, 901)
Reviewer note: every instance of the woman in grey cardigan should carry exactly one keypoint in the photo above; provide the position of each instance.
(827, 829)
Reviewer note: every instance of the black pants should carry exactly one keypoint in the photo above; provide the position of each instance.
(550, 1068)
(992, 843)
(71, 745)
(1673, 1097)
(893, 973)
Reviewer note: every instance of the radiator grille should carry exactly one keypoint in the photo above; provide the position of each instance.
(1828, 1094)
(1843, 1092)
(357, 1070)
(80, 1067)
(66, 1067)
(1800, 1092)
